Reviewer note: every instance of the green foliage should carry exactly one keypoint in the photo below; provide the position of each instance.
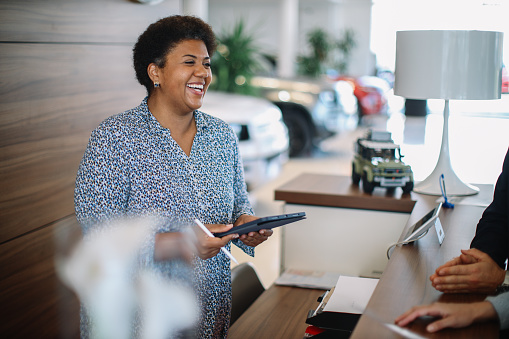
(236, 61)
(326, 53)
(320, 44)
(344, 50)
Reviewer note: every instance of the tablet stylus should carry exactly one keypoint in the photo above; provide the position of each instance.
(207, 232)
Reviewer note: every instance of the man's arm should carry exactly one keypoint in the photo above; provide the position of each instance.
(492, 236)
(501, 305)
(482, 268)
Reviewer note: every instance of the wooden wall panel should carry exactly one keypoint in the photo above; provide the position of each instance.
(55, 96)
(35, 304)
(79, 20)
(65, 65)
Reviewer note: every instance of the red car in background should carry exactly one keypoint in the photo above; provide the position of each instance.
(371, 93)
(505, 80)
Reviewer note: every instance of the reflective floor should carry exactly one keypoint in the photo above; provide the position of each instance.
(478, 142)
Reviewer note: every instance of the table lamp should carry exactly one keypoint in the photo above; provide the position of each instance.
(448, 64)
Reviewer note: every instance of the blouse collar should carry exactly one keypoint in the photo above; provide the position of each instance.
(154, 125)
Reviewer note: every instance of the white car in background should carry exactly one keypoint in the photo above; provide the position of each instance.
(263, 136)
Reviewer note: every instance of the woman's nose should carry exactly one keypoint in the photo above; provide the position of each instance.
(202, 71)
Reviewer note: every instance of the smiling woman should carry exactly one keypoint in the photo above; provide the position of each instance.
(165, 158)
(182, 80)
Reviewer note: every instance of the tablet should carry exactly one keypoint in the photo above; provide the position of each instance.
(264, 223)
(422, 226)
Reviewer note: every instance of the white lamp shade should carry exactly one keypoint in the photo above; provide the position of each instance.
(448, 64)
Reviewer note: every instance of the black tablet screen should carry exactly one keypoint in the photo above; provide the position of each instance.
(264, 223)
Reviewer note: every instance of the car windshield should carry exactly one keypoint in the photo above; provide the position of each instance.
(379, 151)
(382, 155)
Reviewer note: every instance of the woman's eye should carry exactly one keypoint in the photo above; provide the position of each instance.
(207, 64)
(189, 62)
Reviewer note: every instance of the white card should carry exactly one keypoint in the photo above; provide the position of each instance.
(440, 231)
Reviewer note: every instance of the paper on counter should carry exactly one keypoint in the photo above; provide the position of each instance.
(406, 333)
(351, 295)
(308, 279)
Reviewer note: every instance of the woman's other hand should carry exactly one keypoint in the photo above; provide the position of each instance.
(252, 239)
(173, 245)
(209, 247)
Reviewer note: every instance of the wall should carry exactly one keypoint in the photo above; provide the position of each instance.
(65, 65)
(261, 18)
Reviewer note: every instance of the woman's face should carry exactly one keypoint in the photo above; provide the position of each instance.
(185, 77)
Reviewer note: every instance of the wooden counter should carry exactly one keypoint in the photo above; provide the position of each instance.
(281, 311)
(338, 191)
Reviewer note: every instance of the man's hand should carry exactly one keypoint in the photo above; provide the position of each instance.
(463, 259)
(451, 315)
(252, 239)
(472, 272)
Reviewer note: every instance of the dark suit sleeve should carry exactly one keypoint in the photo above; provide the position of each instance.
(492, 234)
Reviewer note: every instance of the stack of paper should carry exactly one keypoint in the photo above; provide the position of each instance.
(308, 279)
(351, 295)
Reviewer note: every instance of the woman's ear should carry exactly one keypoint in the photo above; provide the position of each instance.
(153, 72)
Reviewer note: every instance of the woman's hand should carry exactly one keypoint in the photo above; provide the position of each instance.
(252, 239)
(173, 245)
(209, 247)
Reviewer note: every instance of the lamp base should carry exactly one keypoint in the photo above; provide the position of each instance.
(454, 185)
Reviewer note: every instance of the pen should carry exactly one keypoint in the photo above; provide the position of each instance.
(446, 204)
(207, 232)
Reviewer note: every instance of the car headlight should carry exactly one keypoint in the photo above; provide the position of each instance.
(328, 97)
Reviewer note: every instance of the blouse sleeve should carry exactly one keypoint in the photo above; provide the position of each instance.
(103, 189)
(241, 204)
(102, 183)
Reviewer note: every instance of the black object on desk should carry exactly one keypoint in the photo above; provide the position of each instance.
(334, 321)
(343, 322)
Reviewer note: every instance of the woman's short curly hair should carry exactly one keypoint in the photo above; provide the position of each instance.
(162, 36)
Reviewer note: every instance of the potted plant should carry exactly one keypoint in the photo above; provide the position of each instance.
(236, 61)
(326, 53)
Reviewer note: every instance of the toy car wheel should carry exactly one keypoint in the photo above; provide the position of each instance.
(367, 186)
(356, 178)
(408, 187)
(299, 133)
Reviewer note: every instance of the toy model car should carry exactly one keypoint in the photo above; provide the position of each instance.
(378, 163)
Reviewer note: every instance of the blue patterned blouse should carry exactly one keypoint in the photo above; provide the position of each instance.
(132, 166)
